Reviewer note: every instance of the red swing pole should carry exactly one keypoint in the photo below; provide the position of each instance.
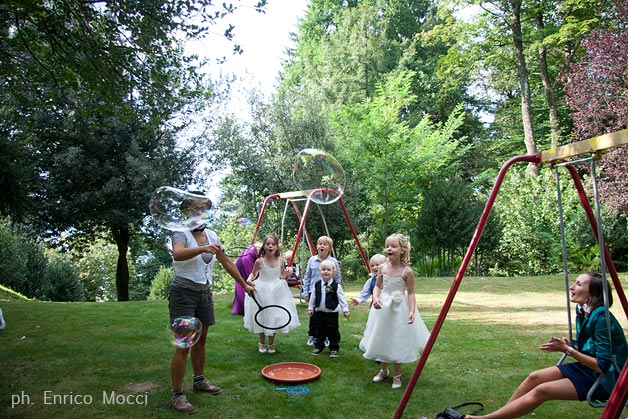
(530, 158)
(355, 236)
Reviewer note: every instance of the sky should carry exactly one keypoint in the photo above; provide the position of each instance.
(264, 38)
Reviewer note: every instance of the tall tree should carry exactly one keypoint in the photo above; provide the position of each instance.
(95, 93)
(597, 88)
(395, 161)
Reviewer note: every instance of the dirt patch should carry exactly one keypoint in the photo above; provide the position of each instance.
(142, 387)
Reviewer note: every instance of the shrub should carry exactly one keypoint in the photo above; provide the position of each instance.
(63, 280)
(160, 287)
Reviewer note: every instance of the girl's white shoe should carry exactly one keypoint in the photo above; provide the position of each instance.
(380, 376)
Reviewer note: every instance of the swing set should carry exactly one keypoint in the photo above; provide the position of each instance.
(292, 199)
(556, 157)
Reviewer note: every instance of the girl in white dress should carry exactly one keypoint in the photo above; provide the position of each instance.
(395, 332)
(270, 289)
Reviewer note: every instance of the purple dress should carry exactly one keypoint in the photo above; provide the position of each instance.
(244, 263)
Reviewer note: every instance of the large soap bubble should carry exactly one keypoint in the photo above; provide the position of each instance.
(185, 331)
(320, 174)
(179, 210)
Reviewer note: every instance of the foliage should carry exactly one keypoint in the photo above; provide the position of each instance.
(22, 261)
(97, 265)
(397, 161)
(63, 280)
(597, 89)
(149, 255)
(531, 238)
(28, 269)
(446, 223)
(96, 93)
(160, 286)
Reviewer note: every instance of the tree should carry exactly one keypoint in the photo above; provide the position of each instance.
(446, 222)
(597, 88)
(394, 160)
(94, 94)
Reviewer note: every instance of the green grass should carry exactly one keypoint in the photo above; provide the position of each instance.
(488, 344)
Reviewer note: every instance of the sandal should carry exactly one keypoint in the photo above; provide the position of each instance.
(381, 375)
(396, 381)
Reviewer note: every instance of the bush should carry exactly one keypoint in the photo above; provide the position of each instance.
(22, 262)
(63, 279)
(160, 287)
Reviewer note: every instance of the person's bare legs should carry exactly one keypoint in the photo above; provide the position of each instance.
(397, 369)
(177, 367)
(539, 387)
(197, 354)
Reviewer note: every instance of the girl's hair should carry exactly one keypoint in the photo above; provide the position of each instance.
(596, 290)
(327, 264)
(377, 257)
(326, 240)
(404, 243)
(274, 239)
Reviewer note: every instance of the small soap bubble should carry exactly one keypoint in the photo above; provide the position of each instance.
(185, 331)
(178, 210)
(320, 174)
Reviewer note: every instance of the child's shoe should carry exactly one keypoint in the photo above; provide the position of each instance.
(262, 348)
(310, 341)
(317, 351)
(271, 349)
(333, 354)
(396, 381)
(381, 375)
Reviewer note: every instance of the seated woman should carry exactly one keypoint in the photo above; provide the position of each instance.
(592, 352)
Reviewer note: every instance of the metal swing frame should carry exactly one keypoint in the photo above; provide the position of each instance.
(595, 145)
(292, 198)
(602, 245)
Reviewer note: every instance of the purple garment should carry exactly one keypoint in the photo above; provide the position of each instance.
(244, 263)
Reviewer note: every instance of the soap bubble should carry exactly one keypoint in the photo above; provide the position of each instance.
(185, 331)
(179, 210)
(320, 174)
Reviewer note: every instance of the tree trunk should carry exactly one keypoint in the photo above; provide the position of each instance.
(524, 84)
(122, 236)
(547, 86)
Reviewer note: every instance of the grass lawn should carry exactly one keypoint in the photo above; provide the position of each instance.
(58, 359)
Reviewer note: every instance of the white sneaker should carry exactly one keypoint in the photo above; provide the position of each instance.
(310, 341)
(326, 342)
(3, 324)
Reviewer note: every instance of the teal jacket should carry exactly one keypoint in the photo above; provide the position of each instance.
(593, 340)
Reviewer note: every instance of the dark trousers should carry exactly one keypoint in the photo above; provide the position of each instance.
(326, 326)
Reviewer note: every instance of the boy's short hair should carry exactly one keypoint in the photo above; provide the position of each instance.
(327, 240)
(327, 264)
(377, 257)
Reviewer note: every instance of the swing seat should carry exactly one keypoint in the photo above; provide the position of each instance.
(593, 402)
(293, 281)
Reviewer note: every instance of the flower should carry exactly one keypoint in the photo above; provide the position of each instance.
(328, 288)
(396, 296)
